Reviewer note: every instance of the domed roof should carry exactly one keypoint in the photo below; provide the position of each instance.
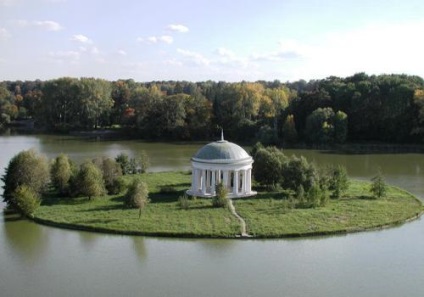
(221, 151)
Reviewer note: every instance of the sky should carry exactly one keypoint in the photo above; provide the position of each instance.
(219, 40)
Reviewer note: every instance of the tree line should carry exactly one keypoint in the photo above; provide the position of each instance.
(383, 108)
(30, 176)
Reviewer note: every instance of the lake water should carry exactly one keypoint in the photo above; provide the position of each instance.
(43, 261)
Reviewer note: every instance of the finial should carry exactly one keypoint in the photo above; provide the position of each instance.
(222, 134)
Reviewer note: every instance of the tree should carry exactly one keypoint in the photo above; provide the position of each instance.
(319, 126)
(124, 161)
(59, 106)
(90, 180)
(61, 173)
(111, 171)
(95, 102)
(26, 168)
(26, 200)
(267, 169)
(137, 195)
(340, 127)
(298, 171)
(289, 130)
(338, 182)
(378, 186)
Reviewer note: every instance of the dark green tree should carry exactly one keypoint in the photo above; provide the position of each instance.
(26, 200)
(297, 171)
(338, 181)
(89, 180)
(137, 195)
(268, 166)
(26, 168)
(111, 172)
(378, 186)
(61, 173)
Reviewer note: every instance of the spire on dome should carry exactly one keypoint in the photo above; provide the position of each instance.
(222, 134)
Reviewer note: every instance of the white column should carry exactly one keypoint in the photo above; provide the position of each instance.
(249, 181)
(213, 182)
(225, 179)
(198, 180)
(203, 182)
(244, 181)
(236, 182)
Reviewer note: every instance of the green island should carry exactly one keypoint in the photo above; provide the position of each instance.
(267, 215)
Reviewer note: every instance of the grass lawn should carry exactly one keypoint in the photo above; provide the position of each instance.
(356, 211)
(266, 215)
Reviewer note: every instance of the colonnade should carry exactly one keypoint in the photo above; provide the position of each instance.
(238, 182)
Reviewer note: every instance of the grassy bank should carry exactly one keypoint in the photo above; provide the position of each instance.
(265, 215)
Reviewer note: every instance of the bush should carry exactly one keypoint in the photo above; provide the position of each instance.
(119, 185)
(220, 199)
(111, 171)
(89, 180)
(338, 181)
(61, 173)
(135, 165)
(183, 202)
(26, 200)
(268, 166)
(298, 171)
(378, 186)
(124, 161)
(26, 168)
(137, 195)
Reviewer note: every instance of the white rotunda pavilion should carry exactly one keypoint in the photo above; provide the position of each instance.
(221, 161)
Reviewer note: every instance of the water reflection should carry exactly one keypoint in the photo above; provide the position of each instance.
(139, 247)
(25, 239)
(88, 239)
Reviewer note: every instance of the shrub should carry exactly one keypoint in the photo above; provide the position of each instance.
(111, 171)
(123, 160)
(89, 180)
(183, 202)
(298, 171)
(220, 199)
(378, 186)
(26, 200)
(338, 181)
(137, 195)
(267, 169)
(119, 185)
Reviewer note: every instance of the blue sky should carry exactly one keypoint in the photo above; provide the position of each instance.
(209, 40)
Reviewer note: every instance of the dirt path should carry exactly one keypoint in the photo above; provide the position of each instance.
(243, 232)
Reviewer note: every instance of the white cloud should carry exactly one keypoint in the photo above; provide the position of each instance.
(156, 39)
(224, 52)
(45, 25)
(65, 56)
(82, 39)
(122, 52)
(178, 28)
(95, 50)
(48, 25)
(4, 34)
(166, 39)
(194, 57)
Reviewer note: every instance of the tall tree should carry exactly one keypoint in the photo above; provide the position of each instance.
(26, 168)
(95, 102)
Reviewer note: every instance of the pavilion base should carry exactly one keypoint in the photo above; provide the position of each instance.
(229, 195)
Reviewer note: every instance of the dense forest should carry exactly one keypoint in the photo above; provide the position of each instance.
(383, 108)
